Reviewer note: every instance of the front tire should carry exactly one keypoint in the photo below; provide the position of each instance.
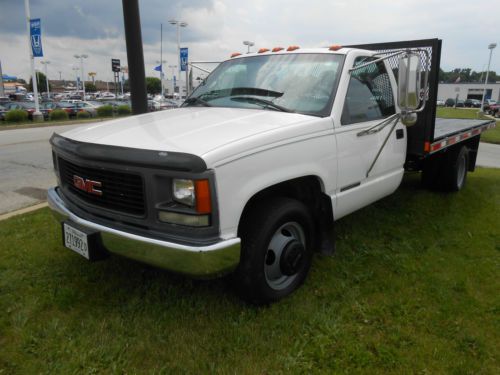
(277, 238)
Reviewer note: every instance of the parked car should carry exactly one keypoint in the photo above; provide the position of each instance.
(459, 104)
(27, 106)
(47, 107)
(3, 111)
(167, 104)
(153, 106)
(70, 108)
(86, 107)
(472, 103)
(494, 109)
(487, 104)
(449, 102)
(440, 103)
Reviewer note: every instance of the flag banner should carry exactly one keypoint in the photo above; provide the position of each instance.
(36, 37)
(184, 59)
(158, 68)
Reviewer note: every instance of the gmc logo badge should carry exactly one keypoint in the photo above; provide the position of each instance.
(87, 185)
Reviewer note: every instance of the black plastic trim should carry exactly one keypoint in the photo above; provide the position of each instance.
(174, 161)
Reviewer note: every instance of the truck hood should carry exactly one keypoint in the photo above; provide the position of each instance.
(211, 133)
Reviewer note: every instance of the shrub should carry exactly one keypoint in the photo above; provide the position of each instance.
(105, 111)
(16, 115)
(83, 115)
(123, 109)
(58, 114)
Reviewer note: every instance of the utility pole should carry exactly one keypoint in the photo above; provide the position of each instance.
(135, 56)
(37, 115)
(2, 91)
(178, 25)
(491, 47)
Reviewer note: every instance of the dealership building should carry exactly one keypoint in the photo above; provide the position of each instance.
(463, 91)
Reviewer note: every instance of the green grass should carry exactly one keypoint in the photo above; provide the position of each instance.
(489, 136)
(412, 289)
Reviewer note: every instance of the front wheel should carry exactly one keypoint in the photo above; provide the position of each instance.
(276, 250)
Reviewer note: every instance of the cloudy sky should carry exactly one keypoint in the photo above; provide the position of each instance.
(218, 27)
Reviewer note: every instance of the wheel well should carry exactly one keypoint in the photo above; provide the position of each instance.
(308, 190)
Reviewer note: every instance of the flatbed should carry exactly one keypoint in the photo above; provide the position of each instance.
(449, 131)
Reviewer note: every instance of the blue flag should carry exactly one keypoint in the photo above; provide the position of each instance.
(36, 37)
(184, 59)
(158, 68)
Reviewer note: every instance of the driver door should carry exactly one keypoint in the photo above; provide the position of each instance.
(368, 100)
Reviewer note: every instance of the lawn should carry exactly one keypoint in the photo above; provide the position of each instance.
(489, 136)
(412, 289)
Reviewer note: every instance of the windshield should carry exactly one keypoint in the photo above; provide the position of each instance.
(302, 83)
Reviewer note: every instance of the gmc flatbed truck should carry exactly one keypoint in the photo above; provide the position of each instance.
(249, 175)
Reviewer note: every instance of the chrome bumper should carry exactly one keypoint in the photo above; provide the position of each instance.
(201, 262)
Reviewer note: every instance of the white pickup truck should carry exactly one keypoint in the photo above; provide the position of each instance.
(260, 161)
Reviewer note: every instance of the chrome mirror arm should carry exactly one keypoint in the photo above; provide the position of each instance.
(378, 127)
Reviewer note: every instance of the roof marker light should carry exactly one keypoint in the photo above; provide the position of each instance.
(262, 50)
(277, 49)
(235, 54)
(335, 47)
(292, 48)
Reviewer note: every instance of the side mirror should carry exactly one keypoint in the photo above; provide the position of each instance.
(409, 81)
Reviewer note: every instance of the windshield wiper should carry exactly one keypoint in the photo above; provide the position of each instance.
(235, 91)
(264, 102)
(196, 100)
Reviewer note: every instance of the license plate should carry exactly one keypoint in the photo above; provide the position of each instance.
(76, 240)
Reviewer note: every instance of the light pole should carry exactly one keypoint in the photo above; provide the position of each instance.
(248, 44)
(173, 67)
(179, 24)
(60, 75)
(81, 57)
(45, 63)
(76, 69)
(490, 47)
(161, 74)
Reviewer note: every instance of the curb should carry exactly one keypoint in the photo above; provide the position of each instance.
(25, 210)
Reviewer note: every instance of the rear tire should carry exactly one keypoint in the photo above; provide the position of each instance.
(454, 173)
(276, 254)
(447, 172)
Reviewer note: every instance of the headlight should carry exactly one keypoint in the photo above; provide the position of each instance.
(184, 191)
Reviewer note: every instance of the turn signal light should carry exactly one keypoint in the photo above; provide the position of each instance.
(235, 54)
(203, 202)
(335, 47)
(262, 50)
(277, 49)
(292, 48)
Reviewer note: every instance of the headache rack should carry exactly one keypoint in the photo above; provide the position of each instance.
(422, 133)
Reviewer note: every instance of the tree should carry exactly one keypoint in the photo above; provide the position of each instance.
(153, 85)
(41, 83)
(90, 87)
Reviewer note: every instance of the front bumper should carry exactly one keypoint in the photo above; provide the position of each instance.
(196, 261)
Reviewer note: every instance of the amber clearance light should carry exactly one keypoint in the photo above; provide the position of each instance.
(203, 201)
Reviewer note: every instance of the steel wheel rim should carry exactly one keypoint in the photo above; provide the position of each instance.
(281, 238)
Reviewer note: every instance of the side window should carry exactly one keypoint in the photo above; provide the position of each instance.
(369, 95)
